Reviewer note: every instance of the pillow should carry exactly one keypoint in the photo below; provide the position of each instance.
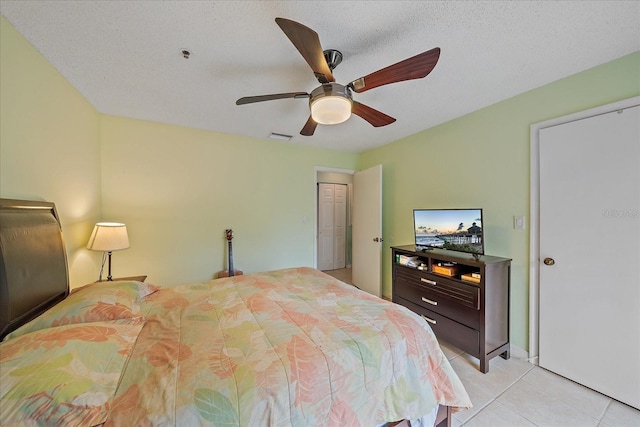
(92, 303)
(137, 290)
(65, 375)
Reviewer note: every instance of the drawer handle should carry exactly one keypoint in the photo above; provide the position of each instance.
(428, 301)
(431, 282)
(429, 320)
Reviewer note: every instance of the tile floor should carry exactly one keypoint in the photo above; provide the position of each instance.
(517, 393)
(343, 274)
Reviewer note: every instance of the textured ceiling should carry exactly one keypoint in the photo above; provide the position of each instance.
(124, 57)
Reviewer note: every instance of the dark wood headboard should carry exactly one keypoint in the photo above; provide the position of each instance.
(33, 261)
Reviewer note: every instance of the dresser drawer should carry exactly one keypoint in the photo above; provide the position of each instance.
(461, 336)
(460, 293)
(428, 298)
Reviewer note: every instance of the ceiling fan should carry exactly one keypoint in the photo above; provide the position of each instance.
(332, 103)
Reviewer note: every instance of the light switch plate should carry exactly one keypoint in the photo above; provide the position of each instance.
(518, 222)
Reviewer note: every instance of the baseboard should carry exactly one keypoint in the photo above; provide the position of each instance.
(520, 354)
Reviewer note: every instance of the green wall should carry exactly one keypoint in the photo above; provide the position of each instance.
(178, 189)
(49, 145)
(482, 160)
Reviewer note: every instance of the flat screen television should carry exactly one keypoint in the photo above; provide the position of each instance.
(454, 229)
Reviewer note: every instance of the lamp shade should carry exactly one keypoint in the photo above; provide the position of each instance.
(108, 237)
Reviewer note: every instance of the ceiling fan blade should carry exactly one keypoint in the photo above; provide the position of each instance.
(415, 67)
(260, 98)
(308, 44)
(373, 116)
(309, 127)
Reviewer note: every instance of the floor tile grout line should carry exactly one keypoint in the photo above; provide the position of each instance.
(606, 408)
(610, 400)
(498, 396)
(598, 420)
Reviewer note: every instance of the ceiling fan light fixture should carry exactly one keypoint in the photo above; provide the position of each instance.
(331, 110)
(330, 104)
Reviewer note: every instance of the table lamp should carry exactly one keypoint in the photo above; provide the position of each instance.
(108, 237)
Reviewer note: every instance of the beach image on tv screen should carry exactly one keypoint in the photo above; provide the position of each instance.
(455, 229)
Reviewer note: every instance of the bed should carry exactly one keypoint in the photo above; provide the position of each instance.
(291, 347)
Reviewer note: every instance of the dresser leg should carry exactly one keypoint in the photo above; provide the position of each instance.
(484, 364)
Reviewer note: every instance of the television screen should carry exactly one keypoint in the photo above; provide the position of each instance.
(453, 229)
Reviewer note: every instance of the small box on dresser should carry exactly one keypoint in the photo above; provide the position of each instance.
(466, 305)
(446, 270)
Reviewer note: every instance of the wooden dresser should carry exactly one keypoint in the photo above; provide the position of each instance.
(465, 298)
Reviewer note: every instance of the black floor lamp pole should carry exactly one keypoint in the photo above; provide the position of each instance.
(109, 278)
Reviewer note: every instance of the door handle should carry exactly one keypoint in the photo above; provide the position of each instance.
(549, 261)
(378, 239)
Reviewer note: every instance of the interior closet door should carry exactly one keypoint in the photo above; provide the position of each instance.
(589, 316)
(340, 226)
(366, 265)
(332, 223)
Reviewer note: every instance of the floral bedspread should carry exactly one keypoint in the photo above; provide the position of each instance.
(292, 347)
(64, 375)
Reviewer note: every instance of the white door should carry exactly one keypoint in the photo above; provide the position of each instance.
(340, 226)
(325, 226)
(332, 223)
(367, 230)
(589, 316)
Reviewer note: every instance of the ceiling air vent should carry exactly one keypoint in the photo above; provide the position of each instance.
(280, 136)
